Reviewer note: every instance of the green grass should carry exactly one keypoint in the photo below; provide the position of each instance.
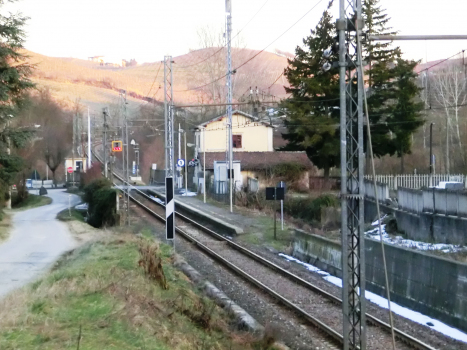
(33, 201)
(265, 234)
(100, 290)
(64, 215)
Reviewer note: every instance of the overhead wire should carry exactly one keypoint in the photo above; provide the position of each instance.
(276, 80)
(257, 54)
(442, 61)
(221, 48)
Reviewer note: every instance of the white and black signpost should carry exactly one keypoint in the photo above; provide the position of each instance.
(281, 184)
(169, 208)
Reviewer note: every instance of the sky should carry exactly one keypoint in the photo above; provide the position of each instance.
(149, 29)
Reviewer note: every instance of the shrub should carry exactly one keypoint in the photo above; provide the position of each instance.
(101, 198)
(309, 209)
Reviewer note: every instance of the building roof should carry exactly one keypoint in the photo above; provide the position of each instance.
(254, 119)
(258, 160)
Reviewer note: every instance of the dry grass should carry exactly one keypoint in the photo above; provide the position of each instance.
(99, 295)
(5, 226)
(74, 75)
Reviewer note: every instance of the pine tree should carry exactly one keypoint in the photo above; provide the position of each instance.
(384, 70)
(404, 108)
(312, 112)
(376, 22)
(14, 72)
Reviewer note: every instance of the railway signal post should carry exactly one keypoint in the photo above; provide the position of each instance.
(169, 151)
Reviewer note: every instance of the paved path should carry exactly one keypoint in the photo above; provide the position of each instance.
(36, 241)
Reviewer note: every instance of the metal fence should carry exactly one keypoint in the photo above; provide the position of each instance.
(415, 181)
(439, 201)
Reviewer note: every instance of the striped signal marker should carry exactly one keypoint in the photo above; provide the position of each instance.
(169, 208)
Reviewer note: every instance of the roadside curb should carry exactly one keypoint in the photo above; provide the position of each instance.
(244, 320)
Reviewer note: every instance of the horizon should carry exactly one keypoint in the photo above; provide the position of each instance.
(148, 30)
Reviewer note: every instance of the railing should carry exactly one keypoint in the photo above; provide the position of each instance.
(439, 201)
(415, 181)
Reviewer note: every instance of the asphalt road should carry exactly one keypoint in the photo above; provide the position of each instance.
(36, 241)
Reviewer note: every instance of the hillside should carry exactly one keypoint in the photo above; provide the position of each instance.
(97, 86)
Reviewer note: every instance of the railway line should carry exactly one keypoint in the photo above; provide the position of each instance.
(316, 306)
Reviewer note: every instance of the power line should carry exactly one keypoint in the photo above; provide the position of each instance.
(434, 65)
(256, 55)
(204, 60)
(220, 49)
(276, 80)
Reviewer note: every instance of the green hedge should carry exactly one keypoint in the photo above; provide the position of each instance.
(101, 198)
(309, 209)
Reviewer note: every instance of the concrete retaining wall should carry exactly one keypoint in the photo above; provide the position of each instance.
(448, 202)
(425, 227)
(434, 286)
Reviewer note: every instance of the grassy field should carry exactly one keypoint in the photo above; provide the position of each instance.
(33, 201)
(113, 294)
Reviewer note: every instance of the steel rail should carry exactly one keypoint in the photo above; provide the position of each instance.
(317, 323)
(404, 337)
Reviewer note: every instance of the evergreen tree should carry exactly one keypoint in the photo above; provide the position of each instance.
(377, 52)
(388, 76)
(312, 111)
(14, 72)
(403, 110)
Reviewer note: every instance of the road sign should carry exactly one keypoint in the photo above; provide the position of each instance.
(69, 169)
(117, 146)
(181, 163)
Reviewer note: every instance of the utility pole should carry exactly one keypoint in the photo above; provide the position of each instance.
(349, 26)
(105, 112)
(125, 150)
(431, 154)
(228, 10)
(89, 141)
(8, 152)
(179, 170)
(169, 150)
(73, 151)
(168, 117)
(186, 167)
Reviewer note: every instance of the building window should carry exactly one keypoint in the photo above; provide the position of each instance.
(237, 141)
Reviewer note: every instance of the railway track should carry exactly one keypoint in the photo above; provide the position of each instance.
(297, 294)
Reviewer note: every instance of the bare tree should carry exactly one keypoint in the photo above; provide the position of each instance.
(56, 131)
(449, 85)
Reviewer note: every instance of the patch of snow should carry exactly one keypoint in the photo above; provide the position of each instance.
(188, 194)
(408, 243)
(395, 308)
(375, 223)
(158, 200)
